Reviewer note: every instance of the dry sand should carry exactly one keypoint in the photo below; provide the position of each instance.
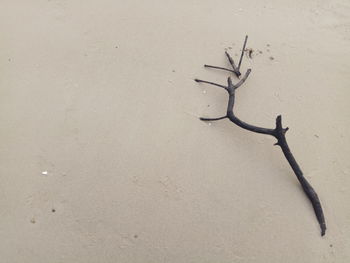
(103, 158)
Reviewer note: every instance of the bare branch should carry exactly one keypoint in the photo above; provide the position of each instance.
(278, 132)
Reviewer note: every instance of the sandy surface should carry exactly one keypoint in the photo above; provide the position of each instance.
(103, 158)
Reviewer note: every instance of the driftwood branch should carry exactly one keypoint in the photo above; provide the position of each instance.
(278, 132)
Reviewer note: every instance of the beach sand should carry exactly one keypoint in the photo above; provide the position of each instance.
(103, 157)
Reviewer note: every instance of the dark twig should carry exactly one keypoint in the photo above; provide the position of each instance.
(243, 49)
(230, 59)
(208, 66)
(235, 69)
(213, 119)
(278, 132)
(211, 83)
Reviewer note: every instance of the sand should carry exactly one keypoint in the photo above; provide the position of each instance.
(102, 155)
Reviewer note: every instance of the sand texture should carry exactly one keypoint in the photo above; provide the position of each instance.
(103, 158)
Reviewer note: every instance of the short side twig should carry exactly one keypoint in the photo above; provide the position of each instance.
(278, 132)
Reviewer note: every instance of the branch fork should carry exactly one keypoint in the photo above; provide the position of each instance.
(278, 132)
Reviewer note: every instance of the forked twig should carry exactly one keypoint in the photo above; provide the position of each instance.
(278, 132)
(235, 69)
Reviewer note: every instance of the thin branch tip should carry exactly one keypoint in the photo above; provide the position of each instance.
(243, 49)
(213, 119)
